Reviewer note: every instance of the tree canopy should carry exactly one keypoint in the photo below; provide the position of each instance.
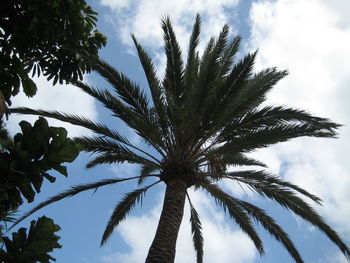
(41, 37)
(26, 160)
(24, 163)
(45, 37)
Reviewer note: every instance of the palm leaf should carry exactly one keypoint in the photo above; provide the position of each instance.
(226, 58)
(194, 91)
(97, 144)
(209, 77)
(142, 124)
(242, 160)
(221, 114)
(239, 215)
(71, 192)
(291, 201)
(210, 71)
(122, 209)
(232, 86)
(111, 151)
(173, 80)
(75, 120)
(120, 110)
(269, 115)
(127, 90)
(191, 65)
(196, 228)
(146, 170)
(110, 158)
(271, 226)
(83, 122)
(253, 93)
(234, 159)
(153, 83)
(259, 179)
(268, 135)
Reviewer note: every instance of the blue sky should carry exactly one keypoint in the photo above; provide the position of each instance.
(309, 38)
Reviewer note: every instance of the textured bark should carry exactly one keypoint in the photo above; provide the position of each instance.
(3, 106)
(163, 246)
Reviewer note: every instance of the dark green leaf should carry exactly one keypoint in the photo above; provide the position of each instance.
(33, 246)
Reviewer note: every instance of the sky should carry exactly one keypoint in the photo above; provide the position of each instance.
(310, 39)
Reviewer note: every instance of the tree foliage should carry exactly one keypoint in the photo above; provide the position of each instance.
(41, 37)
(45, 37)
(25, 161)
(31, 246)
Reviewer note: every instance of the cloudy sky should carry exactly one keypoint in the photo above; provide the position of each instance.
(309, 38)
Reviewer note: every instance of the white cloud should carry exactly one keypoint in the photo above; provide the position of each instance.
(116, 4)
(124, 169)
(222, 243)
(334, 257)
(63, 98)
(312, 41)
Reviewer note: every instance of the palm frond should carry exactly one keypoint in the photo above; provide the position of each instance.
(307, 213)
(110, 158)
(269, 115)
(230, 87)
(6, 216)
(127, 90)
(84, 122)
(173, 80)
(242, 160)
(71, 192)
(111, 151)
(191, 70)
(97, 144)
(268, 135)
(234, 82)
(153, 83)
(226, 59)
(253, 93)
(142, 125)
(271, 226)
(244, 92)
(196, 228)
(210, 70)
(234, 159)
(122, 209)
(75, 120)
(239, 215)
(120, 110)
(146, 171)
(262, 179)
(209, 78)
(291, 201)
(199, 95)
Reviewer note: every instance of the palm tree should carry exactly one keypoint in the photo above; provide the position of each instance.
(203, 117)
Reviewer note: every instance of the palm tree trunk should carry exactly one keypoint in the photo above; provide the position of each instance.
(3, 106)
(163, 246)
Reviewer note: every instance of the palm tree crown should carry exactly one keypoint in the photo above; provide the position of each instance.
(203, 117)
